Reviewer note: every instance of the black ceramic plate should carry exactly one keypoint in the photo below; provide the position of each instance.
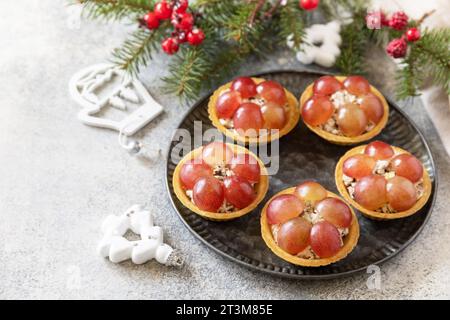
(304, 155)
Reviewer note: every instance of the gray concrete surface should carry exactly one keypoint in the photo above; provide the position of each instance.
(59, 179)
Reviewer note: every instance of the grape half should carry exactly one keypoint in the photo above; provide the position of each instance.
(274, 116)
(401, 193)
(335, 211)
(227, 103)
(245, 86)
(327, 85)
(217, 153)
(248, 119)
(293, 235)
(272, 91)
(325, 239)
(310, 191)
(192, 170)
(370, 192)
(283, 208)
(317, 110)
(408, 166)
(372, 107)
(246, 167)
(379, 150)
(357, 85)
(239, 192)
(358, 166)
(208, 194)
(352, 120)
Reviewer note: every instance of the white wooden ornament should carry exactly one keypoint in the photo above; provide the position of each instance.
(321, 45)
(83, 88)
(150, 246)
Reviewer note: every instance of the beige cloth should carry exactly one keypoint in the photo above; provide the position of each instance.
(435, 99)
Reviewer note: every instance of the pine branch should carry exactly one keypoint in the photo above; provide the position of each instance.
(116, 9)
(291, 24)
(430, 56)
(354, 45)
(137, 50)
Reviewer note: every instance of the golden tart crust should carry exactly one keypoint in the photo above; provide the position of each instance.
(292, 117)
(350, 240)
(375, 214)
(342, 140)
(261, 187)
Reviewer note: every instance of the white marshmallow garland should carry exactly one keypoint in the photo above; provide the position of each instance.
(324, 54)
(151, 245)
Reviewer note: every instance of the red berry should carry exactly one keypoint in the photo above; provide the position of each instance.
(412, 34)
(181, 6)
(309, 4)
(397, 48)
(398, 21)
(181, 36)
(195, 37)
(163, 10)
(170, 45)
(151, 20)
(183, 21)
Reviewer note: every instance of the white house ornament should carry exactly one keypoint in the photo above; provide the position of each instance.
(321, 44)
(150, 245)
(103, 85)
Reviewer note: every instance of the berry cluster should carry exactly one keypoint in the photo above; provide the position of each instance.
(182, 21)
(398, 21)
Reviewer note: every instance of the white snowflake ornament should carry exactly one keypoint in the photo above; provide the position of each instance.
(150, 246)
(321, 44)
(103, 85)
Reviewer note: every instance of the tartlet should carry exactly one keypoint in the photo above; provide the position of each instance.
(292, 115)
(260, 188)
(349, 240)
(371, 130)
(423, 195)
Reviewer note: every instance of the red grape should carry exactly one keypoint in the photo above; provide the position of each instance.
(293, 235)
(317, 110)
(227, 104)
(370, 192)
(335, 211)
(310, 191)
(327, 85)
(401, 193)
(245, 166)
(239, 192)
(248, 117)
(208, 194)
(274, 116)
(245, 86)
(217, 153)
(379, 150)
(352, 120)
(192, 170)
(283, 208)
(357, 85)
(358, 166)
(325, 239)
(272, 91)
(406, 165)
(372, 107)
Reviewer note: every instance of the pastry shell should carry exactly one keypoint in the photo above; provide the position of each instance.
(350, 240)
(374, 214)
(261, 187)
(292, 118)
(342, 140)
